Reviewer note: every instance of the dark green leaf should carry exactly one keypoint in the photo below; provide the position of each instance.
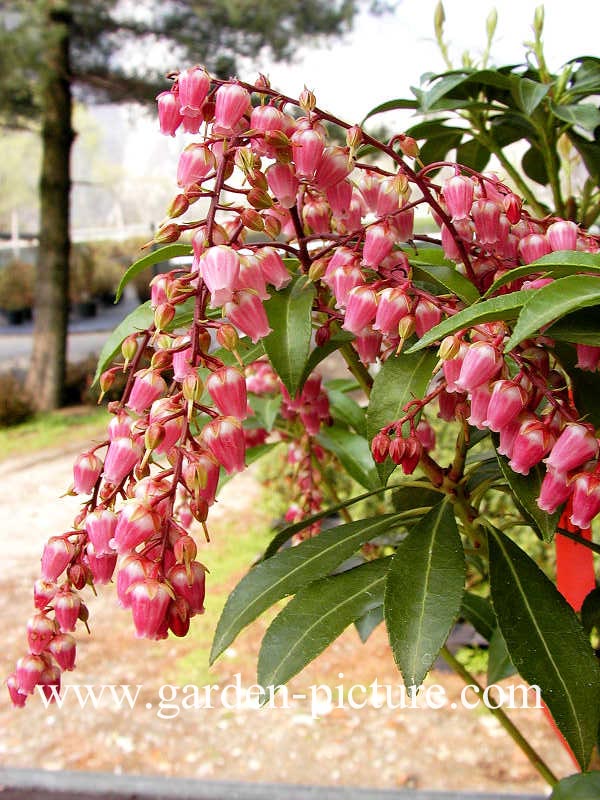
(315, 617)
(354, 454)
(366, 624)
(290, 312)
(473, 154)
(585, 115)
(288, 571)
(401, 379)
(266, 409)
(320, 353)
(546, 643)
(528, 94)
(448, 278)
(485, 471)
(425, 254)
(390, 105)
(424, 591)
(590, 612)
(534, 166)
(525, 490)
(510, 127)
(437, 148)
(432, 129)
(408, 497)
(552, 302)
(580, 327)
(584, 385)
(578, 787)
(479, 612)
(589, 152)
(506, 307)
(499, 664)
(440, 89)
(154, 257)
(347, 410)
(558, 264)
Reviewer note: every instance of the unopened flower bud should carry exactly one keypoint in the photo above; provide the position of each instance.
(227, 337)
(252, 220)
(272, 227)
(408, 146)
(185, 549)
(192, 388)
(307, 100)
(354, 137)
(449, 348)
(259, 199)
(406, 327)
(154, 435)
(106, 381)
(129, 348)
(78, 575)
(179, 205)
(166, 234)
(163, 316)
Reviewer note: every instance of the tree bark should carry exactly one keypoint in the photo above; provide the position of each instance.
(45, 380)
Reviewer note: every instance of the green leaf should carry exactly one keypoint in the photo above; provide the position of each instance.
(424, 591)
(154, 257)
(590, 612)
(288, 571)
(318, 354)
(473, 154)
(500, 665)
(440, 89)
(401, 379)
(390, 105)
(266, 409)
(354, 454)
(525, 490)
(589, 152)
(584, 385)
(558, 264)
(408, 497)
(284, 535)
(578, 787)
(534, 166)
(546, 642)
(585, 115)
(448, 278)
(427, 254)
(315, 617)
(580, 327)
(479, 612)
(528, 94)
(289, 312)
(506, 307)
(347, 410)
(247, 352)
(366, 624)
(438, 147)
(552, 302)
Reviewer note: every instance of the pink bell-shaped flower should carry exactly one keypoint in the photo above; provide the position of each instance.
(193, 85)
(66, 610)
(148, 386)
(458, 195)
(220, 267)
(283, 183)
(100, 526)
(122, 456)
(307, 149)
(133, 568)
(562, 235)
(586, 499)
(392, 305)
(533, 247)
(507, 401)
(189, 582)
(102, 566)
(29, 672)
(480, 364)
(195, 163)
(480, 402)
(379, 242)
(169, 113)
(247, 313)
(136, 524)
(224, 437)
(231, 103)
(273, 268)
(56, 556)
(575, 445)
(555, 490)
(427, 316)
(149, 601)
(361, 308)
(40, 631)
(86, 471)
(63, 647)
(227, 388)
(531, 444)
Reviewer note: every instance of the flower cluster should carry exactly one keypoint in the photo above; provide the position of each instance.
(271, 184)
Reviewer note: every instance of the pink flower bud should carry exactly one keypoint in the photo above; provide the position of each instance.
(531, 444)
(307, 149)
(224, 437)
(512, 206)
(231, 103)
(380, 447)
(29, 672)
(507, 401)
(136, 524)
(122, 456)
(195, 163)
(283, 183)
(392, 306)
(193, 85)
(486, 216)
(63, 648)
(227, 388)
(481, 362)
(66, 610)
(56, 556)
(220, 267)
(120, 426)
(368, 345)
(273, 269)
(508, 434)
(102, 566)
(585, 499)
(360, 309)
(267, 118)
(178, 616)
(247, 313)
(427, 316)
(317, 215)
(403, 225)
(43, 592)
(16, 697)
(343, 280)
(169, 115)
(133, 568)
(251, 277)
(458, 195)
(50, 683)
(588, 357)
(575, 445)
(480, 401)
(554, 492)
(149, 600)
(100, 527)
(148, 386)
(533, 247)
(160, 411)
(378, 244)
(334, 165)
(189, 582)
(86, 472)
(562, 235)
(425, 434)
(40, 630)
(339, 197)
(452, 367)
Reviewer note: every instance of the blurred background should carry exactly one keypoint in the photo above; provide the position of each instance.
(85, 178)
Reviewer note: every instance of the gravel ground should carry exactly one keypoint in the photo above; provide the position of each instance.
(450, 749)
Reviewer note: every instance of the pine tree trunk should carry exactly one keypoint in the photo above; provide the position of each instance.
(45, 380)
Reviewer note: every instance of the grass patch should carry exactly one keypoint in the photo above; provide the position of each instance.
(55, 429)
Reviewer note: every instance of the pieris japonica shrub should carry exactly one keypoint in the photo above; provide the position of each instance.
(448, 300)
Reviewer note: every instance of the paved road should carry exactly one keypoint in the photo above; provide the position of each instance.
(86, 337)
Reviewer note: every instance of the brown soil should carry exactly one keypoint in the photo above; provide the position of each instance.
(450, 749)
